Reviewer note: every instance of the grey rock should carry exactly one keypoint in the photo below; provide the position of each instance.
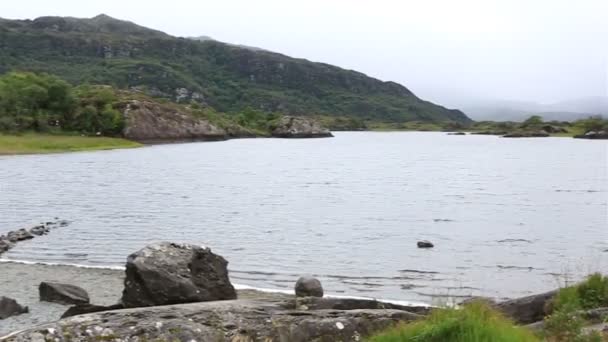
(89, 308)
(299, 127)
(40, 230)
(62, 293)
(425, 244)
(308, 287)
(221, 321)
(19, 235)
(593, 135)
(457, 133)
(5, 245)
(9, 307)
(528, 309)
(168, 273)
(148, 121)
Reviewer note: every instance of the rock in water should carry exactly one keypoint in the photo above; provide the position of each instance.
(300, 127)
(9, 307)
(309, 287)
(62, 293)
(19, 235)
(425, 244)
(168, 273)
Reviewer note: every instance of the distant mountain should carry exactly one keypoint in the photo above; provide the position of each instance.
(207, 38)
(104, 50)
(519, 110)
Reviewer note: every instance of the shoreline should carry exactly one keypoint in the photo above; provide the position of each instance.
(20, 280)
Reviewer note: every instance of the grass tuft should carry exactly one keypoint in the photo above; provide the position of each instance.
(476, 322)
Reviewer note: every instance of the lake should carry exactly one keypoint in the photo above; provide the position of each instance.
(508, 217)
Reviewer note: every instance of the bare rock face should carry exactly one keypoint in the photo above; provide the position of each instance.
(62, 293)
(9, 307)
(147, 121)
(168, 273)
(222, 321)
(308, 287)
(300, 127)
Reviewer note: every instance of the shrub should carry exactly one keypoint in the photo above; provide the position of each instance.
(476, 322)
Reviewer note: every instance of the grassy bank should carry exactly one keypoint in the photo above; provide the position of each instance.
(41, 143)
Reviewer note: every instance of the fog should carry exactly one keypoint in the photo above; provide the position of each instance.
(451, 52)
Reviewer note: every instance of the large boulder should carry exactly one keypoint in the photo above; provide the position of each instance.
(299, 127)
(170, 273)
(308, 287)
(9, 307)
(62, 293)
(220, 321)
(528, 309)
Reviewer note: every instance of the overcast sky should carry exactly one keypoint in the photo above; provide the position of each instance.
(446, 51)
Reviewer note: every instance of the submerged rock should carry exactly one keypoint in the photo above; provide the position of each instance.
(308, 287)
(299, 127)
(168, 273)
(425, 244)
(62, 293)
(221, 321)
(9, 307)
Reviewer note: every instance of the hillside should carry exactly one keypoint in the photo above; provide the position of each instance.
(103, 50)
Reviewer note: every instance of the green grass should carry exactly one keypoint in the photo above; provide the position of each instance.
(476, 322)
(565, 323)
(43, 143)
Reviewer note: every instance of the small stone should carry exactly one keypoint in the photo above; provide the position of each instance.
(425, 244)
(339, 325)
(308, 287)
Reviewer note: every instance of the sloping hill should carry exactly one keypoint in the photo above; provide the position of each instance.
(104, 50)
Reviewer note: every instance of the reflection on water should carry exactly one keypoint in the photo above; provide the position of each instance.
(507, 216)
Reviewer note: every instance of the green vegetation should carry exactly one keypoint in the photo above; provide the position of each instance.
(476, 322)
(230, 79)
(43, 143)
(566, 322)
(45, 103)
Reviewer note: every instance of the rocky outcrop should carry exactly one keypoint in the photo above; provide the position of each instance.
(238, 320)
(593, 135)
(168, 273)
(299, 127)
(62, 293)
(9, 307)
(308, 287)
(150, 122)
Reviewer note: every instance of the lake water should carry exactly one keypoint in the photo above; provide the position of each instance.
(508, 216)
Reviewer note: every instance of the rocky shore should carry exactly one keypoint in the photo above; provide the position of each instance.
(182, 292)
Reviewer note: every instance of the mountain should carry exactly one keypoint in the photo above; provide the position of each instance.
(503, 110)
(104, 50)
